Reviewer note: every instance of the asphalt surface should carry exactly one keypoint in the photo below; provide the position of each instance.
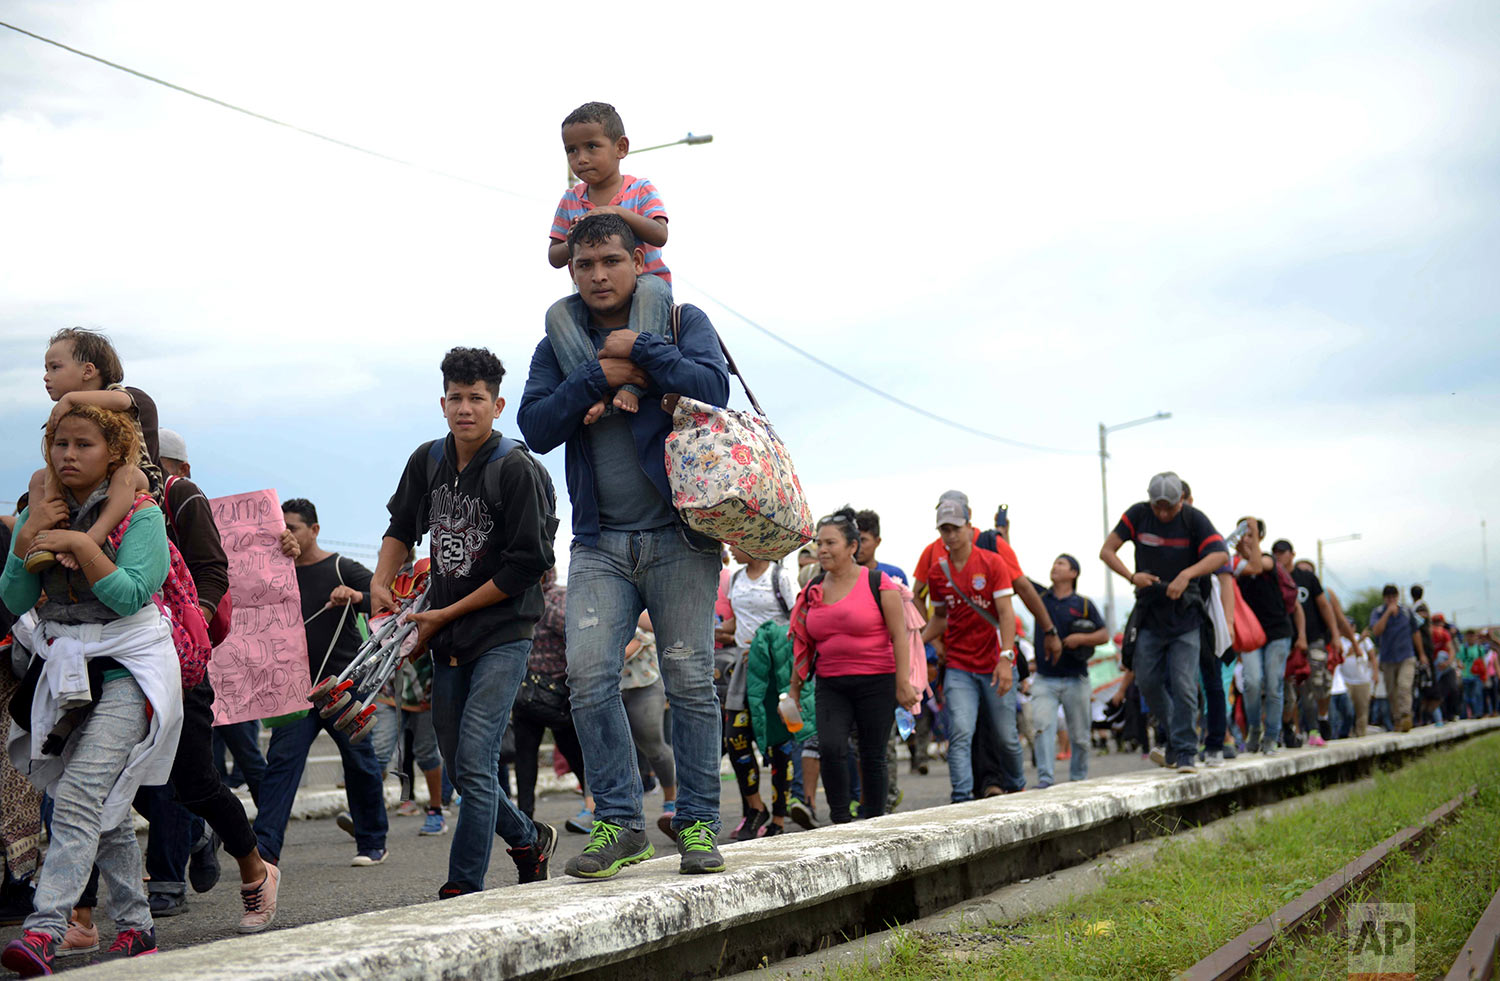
(319, 883)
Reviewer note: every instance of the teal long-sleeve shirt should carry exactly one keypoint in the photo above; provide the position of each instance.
(140, 568)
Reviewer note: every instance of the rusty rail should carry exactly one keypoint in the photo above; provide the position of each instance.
(1476, 962)
(1319, 904)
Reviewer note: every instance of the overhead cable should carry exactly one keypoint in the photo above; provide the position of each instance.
(852, 379)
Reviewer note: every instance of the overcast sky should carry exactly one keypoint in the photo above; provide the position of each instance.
(1277, 222)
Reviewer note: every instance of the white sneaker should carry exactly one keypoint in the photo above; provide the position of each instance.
(1215, 759)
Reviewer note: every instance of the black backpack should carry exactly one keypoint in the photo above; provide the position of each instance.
(491, 477)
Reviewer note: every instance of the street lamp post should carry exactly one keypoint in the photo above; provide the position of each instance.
(1109, 576)
(1332, 541)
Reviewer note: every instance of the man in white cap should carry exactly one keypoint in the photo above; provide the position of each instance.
(1174, 544)
(174, 456)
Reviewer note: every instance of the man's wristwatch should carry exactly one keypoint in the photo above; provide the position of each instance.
(1008, 655)
(1050, 632)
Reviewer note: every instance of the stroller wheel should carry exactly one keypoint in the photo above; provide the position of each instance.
(346, 722)
(362, 729)
(322, 690)
(335, 705)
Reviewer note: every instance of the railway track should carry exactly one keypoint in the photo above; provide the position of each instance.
(1319, 909)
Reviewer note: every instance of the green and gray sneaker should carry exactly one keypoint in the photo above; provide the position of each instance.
(699, 853)
(609, 850)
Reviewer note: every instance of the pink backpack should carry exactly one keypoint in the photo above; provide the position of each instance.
(178, 602)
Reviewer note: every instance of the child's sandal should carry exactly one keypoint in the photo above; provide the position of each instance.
(39, 560)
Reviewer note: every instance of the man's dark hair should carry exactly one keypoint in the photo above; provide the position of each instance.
(1389, 590)
(598, 229)
(598, 112)
(92, 347)
(1416, 592)
(868, 521)
(467, 365)
(302, 508)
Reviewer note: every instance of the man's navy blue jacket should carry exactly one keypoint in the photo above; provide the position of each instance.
(553, 405)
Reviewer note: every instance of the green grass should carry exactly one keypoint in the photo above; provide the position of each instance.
(1155, 919)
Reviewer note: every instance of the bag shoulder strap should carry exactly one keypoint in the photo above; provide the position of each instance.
(776, 589)
(734, 369)
(943, 564)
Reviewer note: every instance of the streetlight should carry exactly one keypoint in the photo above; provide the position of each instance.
(1109, 576)
(692, 139)
(1484, 560)
(1332, 541)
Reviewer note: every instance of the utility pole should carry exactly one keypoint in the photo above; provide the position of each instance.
(1109, 576)
(1332, 541)
(1484, 558)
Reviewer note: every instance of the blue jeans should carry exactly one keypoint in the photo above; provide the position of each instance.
(1073, 694)
(1474, 696)
(1341, 712)
(966, 692)
(286, 758)
(672, 573)
(471, 706)
(1265, 692)
(1158, 657)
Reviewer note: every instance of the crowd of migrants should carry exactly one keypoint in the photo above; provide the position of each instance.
(655, 660)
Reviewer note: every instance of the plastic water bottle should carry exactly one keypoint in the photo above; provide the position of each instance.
(906, 724)
(791, 713)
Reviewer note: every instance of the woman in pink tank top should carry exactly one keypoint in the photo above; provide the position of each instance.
(857, 647)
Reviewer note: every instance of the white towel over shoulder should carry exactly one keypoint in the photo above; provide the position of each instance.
(142, 644)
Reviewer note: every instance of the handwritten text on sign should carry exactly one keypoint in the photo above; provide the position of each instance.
(260, 669)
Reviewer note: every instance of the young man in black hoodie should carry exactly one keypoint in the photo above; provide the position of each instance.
(489, 511)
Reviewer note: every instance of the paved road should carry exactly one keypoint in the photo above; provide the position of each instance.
(320, 884)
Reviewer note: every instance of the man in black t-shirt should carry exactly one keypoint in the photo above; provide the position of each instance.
(1174, 544)
(334, 591)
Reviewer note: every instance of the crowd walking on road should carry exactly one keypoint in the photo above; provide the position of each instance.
(811, 668)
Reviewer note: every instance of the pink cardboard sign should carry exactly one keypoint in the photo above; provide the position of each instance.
(260, 670)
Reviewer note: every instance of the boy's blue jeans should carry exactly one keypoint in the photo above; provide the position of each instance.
(1265, 694)
(1158, 657)
(650, 313)
(1073, 694)
(1474, 696)
(471, 706)
(672, 573)
(966, 694)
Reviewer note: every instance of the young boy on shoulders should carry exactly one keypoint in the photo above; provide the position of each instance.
(82, 368)
(489, 511)
(595, 142)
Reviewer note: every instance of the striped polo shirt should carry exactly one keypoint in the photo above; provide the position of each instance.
(636, 194)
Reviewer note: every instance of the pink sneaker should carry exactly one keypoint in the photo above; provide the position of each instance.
(78, 940)
(410, 808)
(1316, 740)
(260, 901)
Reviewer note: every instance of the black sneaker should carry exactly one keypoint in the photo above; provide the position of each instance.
(609, 850)
(166, 904)
(699, 853)
(531, 861)
(750, 825)
(772, 830)
(802, 812)
(131, 943)
(203, 863)
(452, 890)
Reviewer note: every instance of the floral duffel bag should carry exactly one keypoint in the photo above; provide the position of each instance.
(731, 476)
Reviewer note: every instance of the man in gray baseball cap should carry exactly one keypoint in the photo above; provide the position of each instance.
(1174, 544)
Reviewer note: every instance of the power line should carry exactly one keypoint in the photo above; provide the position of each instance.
(269, 119)
(855, 380)
(910, 407)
